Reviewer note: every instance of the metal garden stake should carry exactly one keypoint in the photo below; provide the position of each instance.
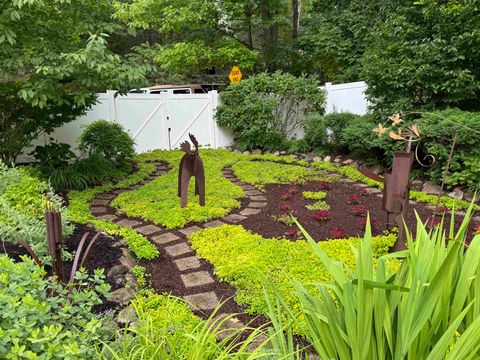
(191, 165)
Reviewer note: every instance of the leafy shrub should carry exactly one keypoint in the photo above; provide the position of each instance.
(429, 303)
(23, 201)
(251, 259)
(318, 205)
(325, 131)
(439, 129)
(41, 319)
(108, 139)
(314, 195)
(53, 156)
(265, 109)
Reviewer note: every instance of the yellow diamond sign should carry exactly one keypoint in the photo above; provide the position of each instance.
(235, 75)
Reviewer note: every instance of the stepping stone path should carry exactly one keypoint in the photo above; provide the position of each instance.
(195, 276)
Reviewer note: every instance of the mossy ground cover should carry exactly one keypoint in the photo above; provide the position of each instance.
(248, 261)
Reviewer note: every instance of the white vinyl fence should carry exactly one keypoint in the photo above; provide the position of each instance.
(163, 121)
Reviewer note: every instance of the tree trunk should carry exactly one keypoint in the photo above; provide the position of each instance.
(270, 34)
(296, 9)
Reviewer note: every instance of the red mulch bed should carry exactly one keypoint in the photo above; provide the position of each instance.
(341, 212)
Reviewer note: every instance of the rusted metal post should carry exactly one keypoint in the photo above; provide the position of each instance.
(191, 165)
(53, 221)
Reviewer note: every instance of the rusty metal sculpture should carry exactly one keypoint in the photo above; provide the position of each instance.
(191, 165)
(396, 189)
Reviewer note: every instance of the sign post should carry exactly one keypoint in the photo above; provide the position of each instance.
(235, 75)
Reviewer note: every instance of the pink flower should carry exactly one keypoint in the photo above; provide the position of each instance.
(283, 207)
(353, 199)
(359, 210)
(338, 233)
(322, 215)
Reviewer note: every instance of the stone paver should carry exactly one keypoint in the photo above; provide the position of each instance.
(235, 218)
(249, 211)
(148, 229)
(253, 192)
(177, 250)
(373, 190)
(203, 301)
(98, 209)
(99, 202)
(257, 205)
(106, 196)
(108, 217)
(165, 238)
(189, 230)
(361, 185)
(197, 278)
(347, 180)
(128, 222)
(213, 223)
(188, 263)
(247, 187)
(258, 198)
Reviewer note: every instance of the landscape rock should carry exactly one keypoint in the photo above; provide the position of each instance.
(246, 152)
(378, 169)
(416, 185)
(431, 188)
(283, 152)
(347, 162)
(317, 158)
(131, 281)
(309, 156)
(468, 196)
(457, 193)
(338, 157)
(127, 315)
(122, 295)
(257, 152)
(337, 160)
(327, 158)
(236, 151)
(276, 153)
(117, 271)
(355, 164)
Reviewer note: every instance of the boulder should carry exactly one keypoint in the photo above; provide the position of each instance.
(337, 160)
(276, 153)
(355, 164)
(431, 188)
(127, 315)
(327, 158)
(257, 152)
(117, 271)
(378, 169)
(457, 193)
(468, 196)
(246, 152)
(317, 158)
(236, 151)
(309, 156)
(122, 295)
(347, 162)
(283, 152)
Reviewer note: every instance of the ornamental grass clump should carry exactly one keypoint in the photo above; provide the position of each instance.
(428, 307)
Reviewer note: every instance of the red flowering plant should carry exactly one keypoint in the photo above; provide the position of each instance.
(284, 207)
(338, 233)
(322, 215)
(359, 210)
(362, 223)
(292, 232)
(353, 199)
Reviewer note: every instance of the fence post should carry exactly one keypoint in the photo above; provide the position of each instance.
(112, 106)
(213, 100)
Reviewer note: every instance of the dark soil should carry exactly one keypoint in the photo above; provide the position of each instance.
(341, 212)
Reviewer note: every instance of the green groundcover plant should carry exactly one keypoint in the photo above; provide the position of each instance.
(246, 260)
(41, 319)
(23, 200)
(429, 308)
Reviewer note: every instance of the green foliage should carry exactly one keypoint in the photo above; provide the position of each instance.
(438, 130)
(316, 126)
(318, 205)
(250, 260)
(265, 109)
(427, 309)
(22, 210)
(314, 195)
(425, 56)
(158, 201)
(79, 211)
(261, 173)
(167, 329)
(44, 320)
(285, 219)
(140, 273)
(51, 67)
(108, 139)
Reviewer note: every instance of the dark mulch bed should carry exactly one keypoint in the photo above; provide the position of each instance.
(342, 216)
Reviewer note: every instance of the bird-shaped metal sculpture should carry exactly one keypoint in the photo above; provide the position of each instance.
(191, 165)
